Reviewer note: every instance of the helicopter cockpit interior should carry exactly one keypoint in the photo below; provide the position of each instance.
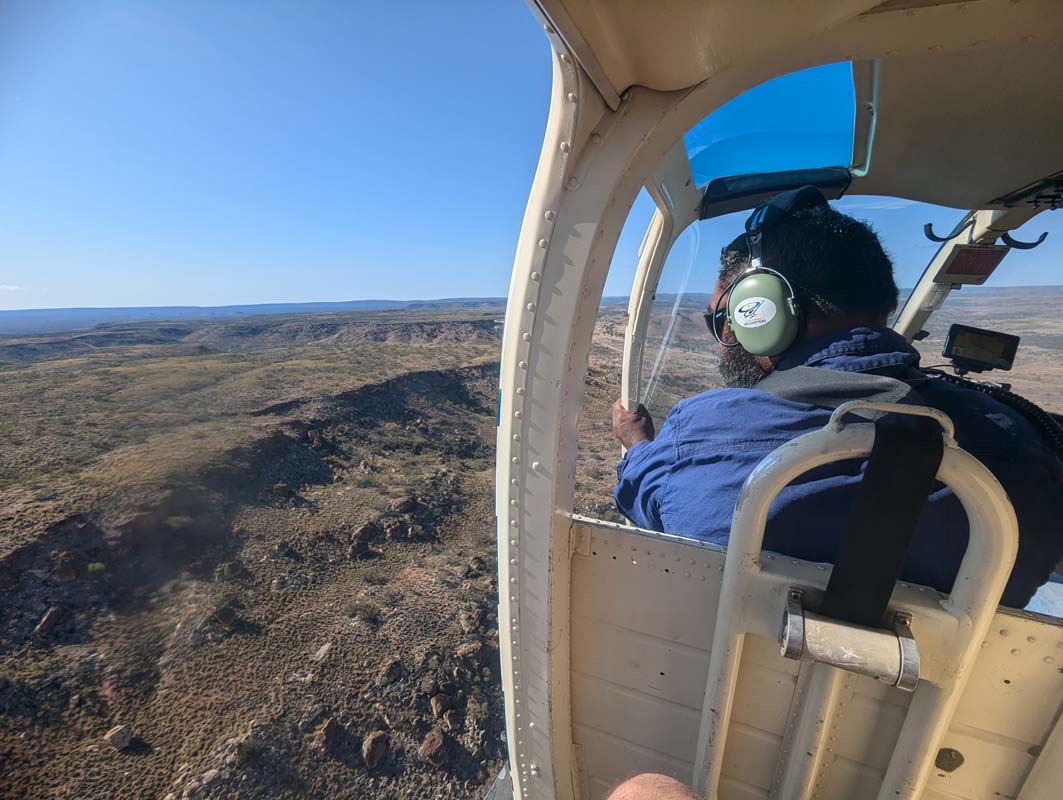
(628, 650)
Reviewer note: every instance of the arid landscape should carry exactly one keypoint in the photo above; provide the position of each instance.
(263, 548)
(249, 558)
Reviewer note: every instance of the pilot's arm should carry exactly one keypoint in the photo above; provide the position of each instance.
(641, 474)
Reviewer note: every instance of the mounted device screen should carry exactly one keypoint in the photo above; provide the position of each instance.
(978, 350)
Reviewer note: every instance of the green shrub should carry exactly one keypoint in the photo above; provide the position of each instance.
(249, 753)
(366, 612)
(377, 576)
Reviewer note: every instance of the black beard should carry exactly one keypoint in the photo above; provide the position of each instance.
(740, 369)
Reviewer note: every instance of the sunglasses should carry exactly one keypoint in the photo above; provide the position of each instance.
(715, 320)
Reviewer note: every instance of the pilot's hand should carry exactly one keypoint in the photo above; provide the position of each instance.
(632, 427)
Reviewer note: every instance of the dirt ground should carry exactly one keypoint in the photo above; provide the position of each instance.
(297, 601)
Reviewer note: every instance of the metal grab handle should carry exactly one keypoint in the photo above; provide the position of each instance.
(948, 430)
(986, 565)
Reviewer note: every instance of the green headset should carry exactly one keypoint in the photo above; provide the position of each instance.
(762, 306)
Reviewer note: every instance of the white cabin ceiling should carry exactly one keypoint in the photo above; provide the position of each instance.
(969, 99)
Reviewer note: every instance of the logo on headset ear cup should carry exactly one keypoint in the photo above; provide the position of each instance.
(762, 314)
(754, 312)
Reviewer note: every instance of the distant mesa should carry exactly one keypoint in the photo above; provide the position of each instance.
(55, 320)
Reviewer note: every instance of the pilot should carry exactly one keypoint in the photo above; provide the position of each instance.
(686, 478)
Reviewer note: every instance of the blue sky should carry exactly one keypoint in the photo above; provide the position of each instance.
(192, 152)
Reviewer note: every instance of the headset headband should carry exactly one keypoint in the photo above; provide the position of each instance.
(774, 211)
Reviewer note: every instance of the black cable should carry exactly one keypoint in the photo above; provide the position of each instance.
(1046, 424)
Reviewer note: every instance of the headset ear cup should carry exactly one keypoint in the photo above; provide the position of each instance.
(763, 314)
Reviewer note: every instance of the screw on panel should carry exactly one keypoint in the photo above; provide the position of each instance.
(573, 182)
(520, 391)
(535, 276)
(523, 364)
(596, 138)
(565, 147)
(530, 306)
(543, 243)
(549, 215)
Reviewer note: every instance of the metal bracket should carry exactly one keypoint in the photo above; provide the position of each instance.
(792, 639)
(888, 656)
(908, 678)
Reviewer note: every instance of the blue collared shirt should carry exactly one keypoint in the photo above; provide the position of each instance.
(686, 481)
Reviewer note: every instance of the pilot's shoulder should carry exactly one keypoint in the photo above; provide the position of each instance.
(723, 400)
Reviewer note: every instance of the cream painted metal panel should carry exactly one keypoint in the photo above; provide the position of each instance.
(596, 155)
(628, 718)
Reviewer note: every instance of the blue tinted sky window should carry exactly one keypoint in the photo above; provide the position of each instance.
(804, 119)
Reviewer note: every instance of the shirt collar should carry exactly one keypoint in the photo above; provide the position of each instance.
(856, 350)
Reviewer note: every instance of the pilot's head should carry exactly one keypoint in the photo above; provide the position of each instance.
(841, 277)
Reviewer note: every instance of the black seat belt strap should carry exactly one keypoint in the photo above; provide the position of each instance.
(882, 520)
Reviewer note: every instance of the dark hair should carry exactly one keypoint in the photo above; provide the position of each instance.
(835, 263)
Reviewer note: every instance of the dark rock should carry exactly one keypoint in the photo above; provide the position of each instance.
(428, 686)
(327, 736)
(440, 703)
(452, 720)
(311, 718)
(315, 438)
(66, 566)
(433, 749)
(230, 571)
(374, 749)
(365, 532)
(472, 652)
(282, 491)
(474, 568)
(119, 737)
(396, 530)
(283, 550)
(7, 581)
(471, 619)
(52, 617)
(225, 609)
(359, 549)
(393, 671)
(404, 505)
